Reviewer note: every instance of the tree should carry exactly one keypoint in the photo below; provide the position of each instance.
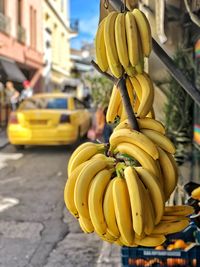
(100, 88)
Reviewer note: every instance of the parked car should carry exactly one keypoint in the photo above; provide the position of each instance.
(48, 119)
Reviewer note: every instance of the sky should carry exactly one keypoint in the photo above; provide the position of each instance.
(87, 12)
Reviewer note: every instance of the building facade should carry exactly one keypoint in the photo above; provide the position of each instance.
(21, 43)
(58, 30)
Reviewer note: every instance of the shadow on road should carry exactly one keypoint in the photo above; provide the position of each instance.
(43, 149)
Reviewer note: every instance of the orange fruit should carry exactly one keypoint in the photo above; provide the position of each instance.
(170, 262)
(181, 262)
(180, 244)
(170, 247)
(159, 247)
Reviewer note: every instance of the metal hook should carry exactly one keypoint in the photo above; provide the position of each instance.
(106, 4)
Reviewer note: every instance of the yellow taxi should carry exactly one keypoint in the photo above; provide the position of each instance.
(48, 119)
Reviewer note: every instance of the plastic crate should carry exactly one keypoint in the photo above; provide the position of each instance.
(149, 257)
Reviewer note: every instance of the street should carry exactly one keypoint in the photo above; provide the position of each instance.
(35, 227)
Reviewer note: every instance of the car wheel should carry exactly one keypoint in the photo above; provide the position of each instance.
(19, 147)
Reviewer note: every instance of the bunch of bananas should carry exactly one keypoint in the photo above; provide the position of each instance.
(122, 201)
(141, 93)
(122, 41)
(118, 190)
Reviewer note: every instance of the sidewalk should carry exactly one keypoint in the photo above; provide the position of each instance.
(3, 138)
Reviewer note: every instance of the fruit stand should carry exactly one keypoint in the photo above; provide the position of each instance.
(119, 190)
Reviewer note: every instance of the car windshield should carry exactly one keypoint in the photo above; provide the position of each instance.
(45, 103)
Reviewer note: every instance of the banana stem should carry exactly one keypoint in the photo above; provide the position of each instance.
(121, 84)
(107, 75)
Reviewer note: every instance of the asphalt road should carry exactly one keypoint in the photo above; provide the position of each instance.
(35, 227)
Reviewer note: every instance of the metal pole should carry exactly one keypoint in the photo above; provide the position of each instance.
(168, 62)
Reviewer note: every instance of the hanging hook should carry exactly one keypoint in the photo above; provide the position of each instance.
(123, 7)
(106, 4)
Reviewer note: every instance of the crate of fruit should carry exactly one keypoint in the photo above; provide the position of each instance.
(180, 250)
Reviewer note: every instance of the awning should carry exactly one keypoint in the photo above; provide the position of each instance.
(83, 67)
(12, 71)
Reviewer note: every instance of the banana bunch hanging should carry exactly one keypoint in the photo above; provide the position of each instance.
(122, 197)
(118, 190)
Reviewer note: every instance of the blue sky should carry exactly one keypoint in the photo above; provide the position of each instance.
(88, 14)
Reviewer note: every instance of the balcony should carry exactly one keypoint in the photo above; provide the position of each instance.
(4, 23)
(21, 34)
(74, 25)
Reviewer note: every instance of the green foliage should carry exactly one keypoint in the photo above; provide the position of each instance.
(179, 108)
(101, 89)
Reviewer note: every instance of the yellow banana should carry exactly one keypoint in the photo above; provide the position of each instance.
(86, 225)
(95, 200)
(113, 106)
(100, 48)
(132, 38)
(140, 65)
(179, 210)
(123, 115)
(169, 173)
(111, 50)
(130, 91)
(119, 242)
(148, 123)
(120, 39)
(136, 104)
(135, 191)
(173, 162)
(149, 213)
(155, 191)
(160, 139)
(147, 97)
(125, 243)
(151, 240)
(109, 211)
(106, 236)
(136, 138)
(123, 210)
(144, 31)
(196, 193)
(172, 218)
(119, 110)
(84, 179)
(137, 88)
(165, 227)
(151, 114)
(85, 154)
(123, 125)
(145, 123)
(69, 190)
(77, 150)
(140, 155)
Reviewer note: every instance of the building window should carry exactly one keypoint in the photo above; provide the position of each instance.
(33, 27)
(2, 6)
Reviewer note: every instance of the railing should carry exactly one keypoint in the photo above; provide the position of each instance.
(74, 25)
(21, 34)
(4, 23)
